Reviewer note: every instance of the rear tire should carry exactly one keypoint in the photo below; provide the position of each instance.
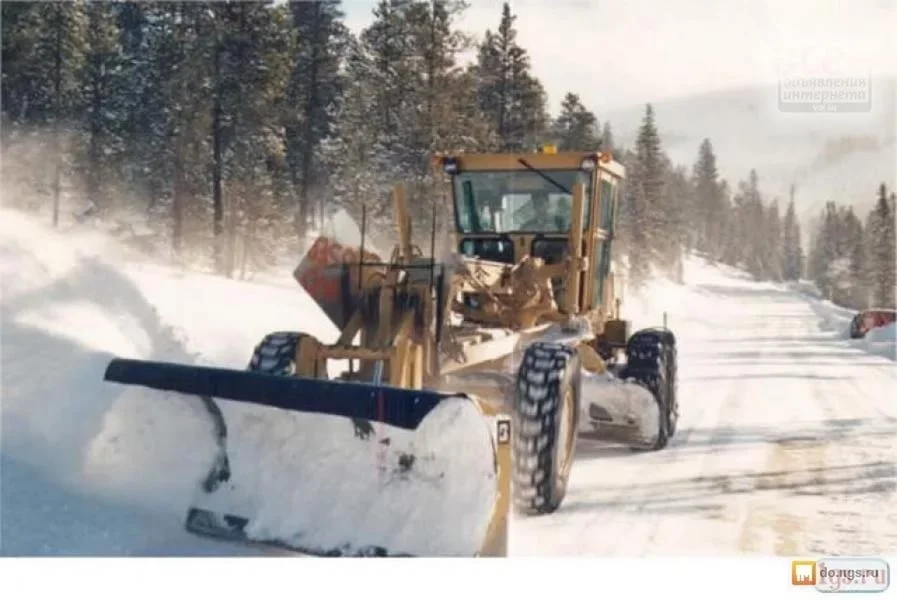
(651, 362)
(276, 355)
(546, 417)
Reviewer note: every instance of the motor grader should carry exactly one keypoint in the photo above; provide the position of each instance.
(512, 348)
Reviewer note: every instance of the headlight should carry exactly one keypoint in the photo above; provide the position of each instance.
(588, 164)
(450, 165)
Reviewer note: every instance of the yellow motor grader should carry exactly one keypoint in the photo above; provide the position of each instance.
(466, 381)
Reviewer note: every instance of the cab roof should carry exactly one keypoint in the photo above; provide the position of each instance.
(511, 161)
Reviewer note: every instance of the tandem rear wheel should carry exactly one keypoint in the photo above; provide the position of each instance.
(651, 363)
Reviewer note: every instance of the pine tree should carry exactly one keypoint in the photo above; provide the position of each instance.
(773, 248)
(679, 197)
(140, 100)
(104, 94)
(880, 236)
(730, 227)
(436, 44)
(507, 92)
(250, 70)
(43, 57)
(792, 252)
(824, 250)
(389, 76)
(608, 141)
(855, 284)
(750, 231)
(635, 235)
(314, 89)
(708, 209)
(437, 121)
(661, 220)
(350, 153)
(575, 128)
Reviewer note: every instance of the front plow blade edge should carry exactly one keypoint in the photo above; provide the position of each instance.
(423, 483)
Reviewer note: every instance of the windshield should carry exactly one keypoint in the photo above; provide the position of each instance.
(504, 201)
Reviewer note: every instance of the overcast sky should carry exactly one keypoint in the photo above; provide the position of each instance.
(620, 52)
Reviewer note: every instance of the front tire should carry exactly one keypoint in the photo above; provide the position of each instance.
(651, 362)
(546, 418)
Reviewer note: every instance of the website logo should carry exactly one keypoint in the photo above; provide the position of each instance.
(821, 80)
(803, 572)
(842, 574)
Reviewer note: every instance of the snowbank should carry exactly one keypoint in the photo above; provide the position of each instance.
(806, 287)
(65, 311)
(883, 334)
(833, 317)
(694, 301)
(836, 319)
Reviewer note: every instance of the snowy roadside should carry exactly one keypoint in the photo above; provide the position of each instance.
(835, 319)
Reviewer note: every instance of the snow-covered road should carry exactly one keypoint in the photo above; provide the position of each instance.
(786, 442)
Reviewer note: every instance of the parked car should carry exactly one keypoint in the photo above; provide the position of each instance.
(869, 319)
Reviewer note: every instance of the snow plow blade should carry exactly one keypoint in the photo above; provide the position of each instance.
(391, 406)
(337, 468)
(619, 412)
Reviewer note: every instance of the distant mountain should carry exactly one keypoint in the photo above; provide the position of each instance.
(829, 156)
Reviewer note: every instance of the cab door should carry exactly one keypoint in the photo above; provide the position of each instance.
(608, 188)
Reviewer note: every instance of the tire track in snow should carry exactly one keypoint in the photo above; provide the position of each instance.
(691, 494)
(860, 439)
(719, 479)
(698, 474)
(807, 471)
(854, 517)
(626, 520)
(634, 533)
(794, 461)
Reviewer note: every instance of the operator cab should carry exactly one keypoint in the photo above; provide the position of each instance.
(508, 206)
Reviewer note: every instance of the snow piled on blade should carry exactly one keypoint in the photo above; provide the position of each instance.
(309, 482)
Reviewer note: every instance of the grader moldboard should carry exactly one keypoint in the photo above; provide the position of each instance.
(468, 381)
